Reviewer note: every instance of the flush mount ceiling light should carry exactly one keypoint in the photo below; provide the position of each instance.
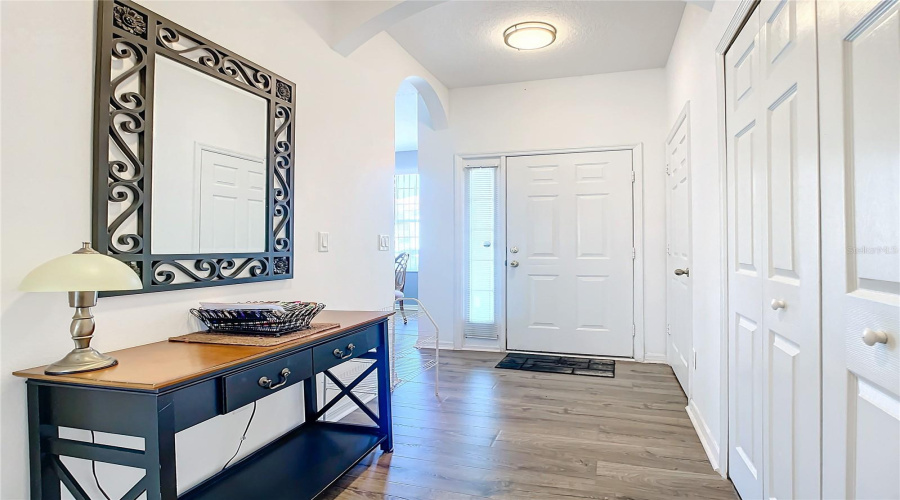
(529, 36)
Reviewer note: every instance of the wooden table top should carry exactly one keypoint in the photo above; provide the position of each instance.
(162, 364)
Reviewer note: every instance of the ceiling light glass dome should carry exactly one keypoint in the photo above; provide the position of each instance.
(529, 36)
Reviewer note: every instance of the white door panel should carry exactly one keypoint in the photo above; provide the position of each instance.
(746, 185)
(789, 107)
(774, 287)
(859, 47)
(678, 250)
(232, 203)
(569, 220)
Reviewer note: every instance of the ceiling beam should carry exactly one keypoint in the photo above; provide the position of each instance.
(355, 22)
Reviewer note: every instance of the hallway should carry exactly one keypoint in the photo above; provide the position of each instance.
(516, 435)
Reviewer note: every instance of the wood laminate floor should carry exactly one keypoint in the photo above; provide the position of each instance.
(523, 435)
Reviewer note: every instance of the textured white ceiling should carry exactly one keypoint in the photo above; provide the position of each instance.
(461, 42)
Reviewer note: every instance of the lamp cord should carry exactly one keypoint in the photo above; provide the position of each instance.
(94, 471)
(243, 437)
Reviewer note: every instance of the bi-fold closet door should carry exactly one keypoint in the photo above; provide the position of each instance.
(859, 84)
(773, 254)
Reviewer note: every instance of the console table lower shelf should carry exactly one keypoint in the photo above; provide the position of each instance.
(304, 462)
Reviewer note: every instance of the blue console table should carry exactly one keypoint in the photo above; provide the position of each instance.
(162, 388)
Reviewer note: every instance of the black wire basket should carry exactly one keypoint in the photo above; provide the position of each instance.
(296, 316)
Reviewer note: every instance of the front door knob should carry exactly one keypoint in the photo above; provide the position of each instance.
(778, 304)
(683, 272)
(514, 250)
(872, 337)
(514, 263)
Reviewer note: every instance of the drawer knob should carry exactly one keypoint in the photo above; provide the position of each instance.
(267, 383)
(339, 354)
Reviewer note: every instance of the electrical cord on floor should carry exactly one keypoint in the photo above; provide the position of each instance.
(243, 437)
(94, 472)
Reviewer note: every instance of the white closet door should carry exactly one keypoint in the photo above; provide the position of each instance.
(774, 444)
(791, 281)
(678, 253)
(746, 184)
(859, 50)
(570, 273)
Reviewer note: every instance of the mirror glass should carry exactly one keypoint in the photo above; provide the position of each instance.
(209, 164)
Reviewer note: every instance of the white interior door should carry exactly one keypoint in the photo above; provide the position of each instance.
(774, 279)
(746, 188)
(678, 251)
(859, 58)
(570, 253)
(232, 203)
(791, 281)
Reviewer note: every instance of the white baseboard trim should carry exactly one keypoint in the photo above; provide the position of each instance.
(656, 358)
(710, 446)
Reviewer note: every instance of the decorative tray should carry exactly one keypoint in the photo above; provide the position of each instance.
(270, 318)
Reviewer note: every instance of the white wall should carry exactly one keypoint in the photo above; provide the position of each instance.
(436, 276)
(600, 110)
(345, 160)
(691, 75)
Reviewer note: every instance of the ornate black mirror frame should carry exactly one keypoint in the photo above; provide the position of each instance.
(134, 35)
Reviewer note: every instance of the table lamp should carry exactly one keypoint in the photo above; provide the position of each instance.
(82, 273)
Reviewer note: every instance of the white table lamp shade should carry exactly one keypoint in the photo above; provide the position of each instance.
(84, 270)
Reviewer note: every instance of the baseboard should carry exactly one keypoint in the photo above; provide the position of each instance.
(710, 446)
(656, 358)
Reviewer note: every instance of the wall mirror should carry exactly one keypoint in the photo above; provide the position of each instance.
(193, 170)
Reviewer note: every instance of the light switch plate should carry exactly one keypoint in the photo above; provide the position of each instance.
(384, 242)
(323, 241)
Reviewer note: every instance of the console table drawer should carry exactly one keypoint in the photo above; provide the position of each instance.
(255, 383)
(337, 351)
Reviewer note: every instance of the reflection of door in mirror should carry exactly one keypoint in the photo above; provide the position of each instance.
(232, 215)
(209, 168)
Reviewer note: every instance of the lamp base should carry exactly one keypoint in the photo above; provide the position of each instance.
(81, 360)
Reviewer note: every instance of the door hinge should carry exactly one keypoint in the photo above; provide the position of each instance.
(633, 330)
(668, 249)
(633, 253)
(668, 330)
(695, 360)
(632, 176)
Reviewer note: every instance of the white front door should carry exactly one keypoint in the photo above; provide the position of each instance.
(570, 266)
(774, 280)
(859, 64)
(678, 251)
(232, 203)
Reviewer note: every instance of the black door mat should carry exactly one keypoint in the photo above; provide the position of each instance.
(559, 364)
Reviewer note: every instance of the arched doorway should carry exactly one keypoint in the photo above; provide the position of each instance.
(418, 115)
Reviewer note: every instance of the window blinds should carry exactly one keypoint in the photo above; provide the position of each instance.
(481, 253)
(406, 218)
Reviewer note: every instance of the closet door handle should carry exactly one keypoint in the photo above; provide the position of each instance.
(267, 383)
(778, 304)
(872, 337)
(683, 272)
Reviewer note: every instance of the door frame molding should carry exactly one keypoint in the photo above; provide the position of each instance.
(738, 20)
(461, 159)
